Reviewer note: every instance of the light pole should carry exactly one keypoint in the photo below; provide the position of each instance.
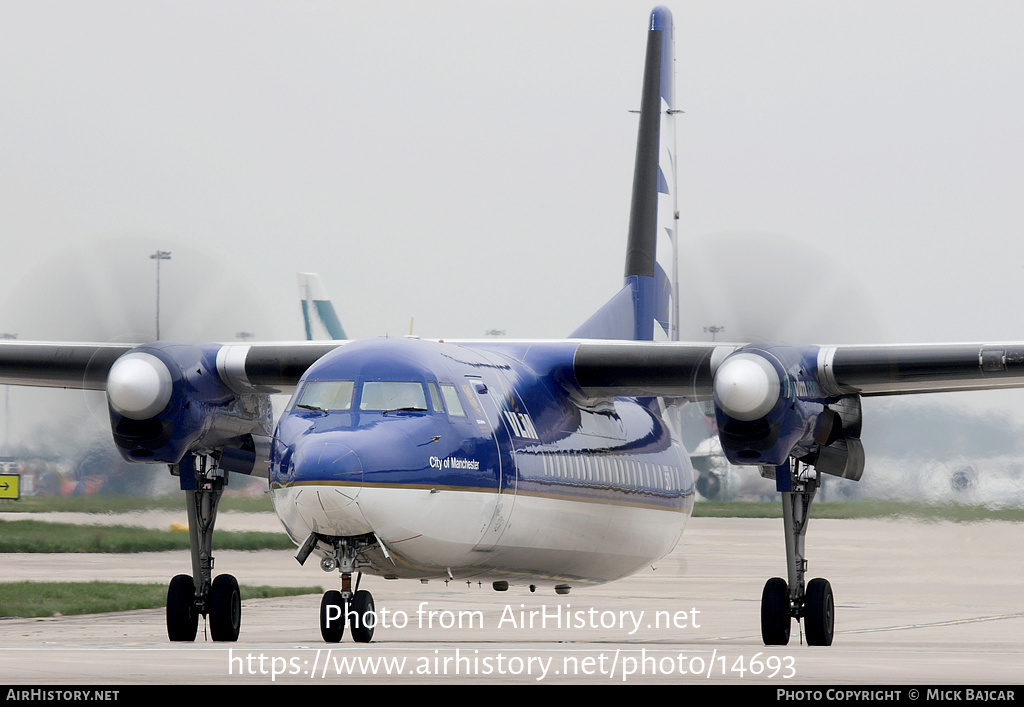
(158, 256)
(714, 330)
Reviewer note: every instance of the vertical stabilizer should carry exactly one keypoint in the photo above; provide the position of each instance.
(647, 297)
(668, 193)
(318, 313)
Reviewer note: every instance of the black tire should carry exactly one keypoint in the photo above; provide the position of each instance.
(332, 620)
(709, 485)
(225, 609)
(362, 618)
(775, 618)
(182, 617)
(819, 613)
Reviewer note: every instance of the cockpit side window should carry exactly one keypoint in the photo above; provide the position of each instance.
(392, 395)
(435, 397)
(327, 396)
(451, 399)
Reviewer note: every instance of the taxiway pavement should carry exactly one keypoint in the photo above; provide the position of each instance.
(916, 604)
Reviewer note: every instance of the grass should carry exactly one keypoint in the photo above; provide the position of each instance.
(35, 599)
(43, 536)
(866, 508)
(128, 504)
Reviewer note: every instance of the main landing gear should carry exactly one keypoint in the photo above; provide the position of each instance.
(782, 601)
(346, 606)
(189, 597)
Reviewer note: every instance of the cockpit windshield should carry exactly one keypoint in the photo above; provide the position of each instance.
(327, 396)
(337, 396)
(392, 395)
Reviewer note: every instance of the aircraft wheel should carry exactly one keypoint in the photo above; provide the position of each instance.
(819, 613)
(332, 616)
(775, 618)
(182, 617)
(709, 485)
(225, 608)
(362, 619)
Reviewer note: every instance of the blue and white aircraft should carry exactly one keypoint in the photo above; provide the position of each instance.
(318, 315)
(541, 463)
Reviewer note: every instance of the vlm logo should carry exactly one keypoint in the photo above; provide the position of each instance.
(521, 425)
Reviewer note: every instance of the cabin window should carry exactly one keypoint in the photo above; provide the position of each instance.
(327, 396)
(392, 395)
(452, 402)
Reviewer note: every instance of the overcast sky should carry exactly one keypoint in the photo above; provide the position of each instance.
(849, 171)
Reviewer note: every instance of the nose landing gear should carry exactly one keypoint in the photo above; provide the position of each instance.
(345, 606)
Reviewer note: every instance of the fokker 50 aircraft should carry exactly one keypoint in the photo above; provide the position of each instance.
(544, 463)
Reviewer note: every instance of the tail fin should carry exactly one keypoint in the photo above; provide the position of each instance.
(317, 310)
(648, 295)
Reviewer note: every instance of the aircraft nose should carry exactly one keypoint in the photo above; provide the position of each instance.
(330, 465)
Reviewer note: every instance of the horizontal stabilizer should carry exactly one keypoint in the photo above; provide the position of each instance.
(631, 313)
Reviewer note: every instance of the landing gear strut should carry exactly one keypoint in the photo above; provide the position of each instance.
(346, 606)
(189, 597)
(812, 603)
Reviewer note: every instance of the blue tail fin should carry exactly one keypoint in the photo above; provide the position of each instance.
(648, 294)
(317, 311)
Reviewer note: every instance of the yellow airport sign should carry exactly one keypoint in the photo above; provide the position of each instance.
(10, 486)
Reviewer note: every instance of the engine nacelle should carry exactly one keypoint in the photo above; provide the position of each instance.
(167, 399)
(769, 407)
(840, 452)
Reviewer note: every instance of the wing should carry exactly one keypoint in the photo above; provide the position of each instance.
(772, 401)
(167, 399)
(251, 368)
(922, 368)
(58, 365)
(688, 369)
(775, 402)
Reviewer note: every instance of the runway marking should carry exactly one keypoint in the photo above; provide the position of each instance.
(951, 622)
(878, 629)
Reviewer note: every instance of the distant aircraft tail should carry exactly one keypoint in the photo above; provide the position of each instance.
(317, 311)
(648, 296)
